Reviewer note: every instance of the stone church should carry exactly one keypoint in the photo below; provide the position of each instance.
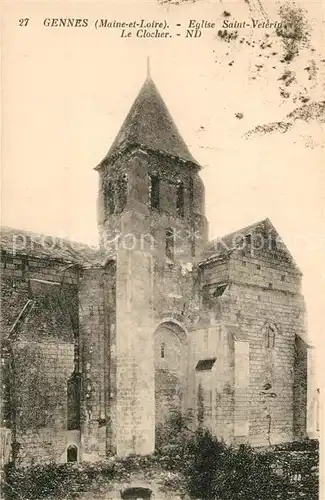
(100, 347)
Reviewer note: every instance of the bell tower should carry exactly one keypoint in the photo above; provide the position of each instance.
(151, 216)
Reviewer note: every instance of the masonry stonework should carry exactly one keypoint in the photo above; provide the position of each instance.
(100, 347)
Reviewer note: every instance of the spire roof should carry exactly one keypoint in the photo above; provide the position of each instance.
(149, 124)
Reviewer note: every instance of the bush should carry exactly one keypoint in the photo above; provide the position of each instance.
(214, 470)
(195, 463)
(67, 480)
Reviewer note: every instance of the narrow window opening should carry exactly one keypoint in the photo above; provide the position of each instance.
(123, 188)
(180, 199)
(162, 350)
(169, 249)
(248, 239)
(191, 193)
(109, 199)
(72, 454)
(154, 185)
(270, 337)
(73, 402)
(219, 291)
(193, 245)
(273, 242)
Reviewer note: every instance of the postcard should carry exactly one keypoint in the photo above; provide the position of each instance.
(162, 249)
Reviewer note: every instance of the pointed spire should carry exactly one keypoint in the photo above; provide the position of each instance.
(148, 68)
(150, 124)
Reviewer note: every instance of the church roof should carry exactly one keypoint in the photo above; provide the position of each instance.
(220, 248)
(229, 242)
(19, 242)
(150, 125)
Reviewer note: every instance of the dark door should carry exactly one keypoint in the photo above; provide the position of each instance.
(136, 493)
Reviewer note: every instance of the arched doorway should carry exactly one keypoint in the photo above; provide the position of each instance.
(72, 453)
(136, 493)
(170, 369)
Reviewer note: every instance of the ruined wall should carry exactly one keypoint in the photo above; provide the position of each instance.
(41, 297)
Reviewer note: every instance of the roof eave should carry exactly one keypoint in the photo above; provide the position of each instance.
(111, 156)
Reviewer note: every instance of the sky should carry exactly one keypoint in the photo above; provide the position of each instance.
(66, 91)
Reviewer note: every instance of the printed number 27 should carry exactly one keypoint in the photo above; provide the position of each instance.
(23, 22)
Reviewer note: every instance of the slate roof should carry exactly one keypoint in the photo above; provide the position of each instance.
(229, 242)
(20, 242)
(150, 125)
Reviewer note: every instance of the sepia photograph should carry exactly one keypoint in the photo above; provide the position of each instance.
(162, 247)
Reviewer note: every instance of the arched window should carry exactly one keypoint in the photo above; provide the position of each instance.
(270, 334)
(162, 350)
(72, 453)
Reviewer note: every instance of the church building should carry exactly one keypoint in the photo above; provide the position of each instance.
(101, 347)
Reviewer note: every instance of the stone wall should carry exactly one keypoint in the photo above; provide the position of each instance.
(39, 318)
(170, 370)
(213, 342)
(262, 306)
(97, 298)
(149, 286)
(300, 388)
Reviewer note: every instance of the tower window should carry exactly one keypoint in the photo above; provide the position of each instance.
(169, 249)
(180, 199)
(109, 199)
(162, 350)
(122, 191)
(191, 191)
(154, 184)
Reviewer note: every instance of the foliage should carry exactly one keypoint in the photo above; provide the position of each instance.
(293, 30)
(175, 433)
(68, 480)
(195, 463)
(37, 390)
(214, 470)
